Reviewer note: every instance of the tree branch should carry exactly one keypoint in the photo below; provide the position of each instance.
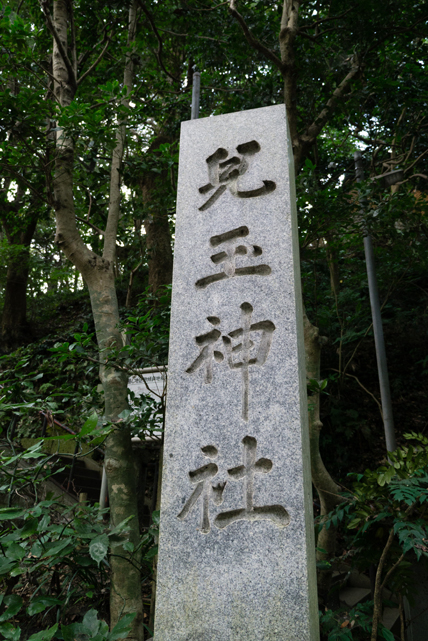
(38, 77)
(185, 35)
(368, 141)
(62, 51)
(316, 127)
(252, 40)
(158, 53)
(110, 236)
(315, 38)
(87, 54)
(328, 19)
(94, 65)
(417, 176)
(94, 227)
(73, 37)
(417, 160)
(364, 388)
(20, 177)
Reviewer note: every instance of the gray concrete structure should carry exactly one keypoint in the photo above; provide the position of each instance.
(236, 556)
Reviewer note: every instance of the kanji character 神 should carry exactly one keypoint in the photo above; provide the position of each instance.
(243, 348)
(208, 354)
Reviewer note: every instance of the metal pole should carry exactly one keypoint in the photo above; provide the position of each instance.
(103, 492)
(385, 393)
(196, 92)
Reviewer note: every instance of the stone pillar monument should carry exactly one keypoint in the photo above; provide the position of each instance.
(236, 555)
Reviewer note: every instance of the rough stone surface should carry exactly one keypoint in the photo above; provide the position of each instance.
(236, 557)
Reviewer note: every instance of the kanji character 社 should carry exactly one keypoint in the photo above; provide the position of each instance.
(202, 478)
(246, 472)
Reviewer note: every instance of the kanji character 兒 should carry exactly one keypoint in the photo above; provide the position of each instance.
(228, 256)
(204, 489)
(266, 327)
(224, 173)
(207, 354)
(246, 473)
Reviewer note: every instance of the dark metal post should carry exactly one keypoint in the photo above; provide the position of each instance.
(45, 422)
(196, 92)
(73, 465)
(104, 489)
(385, 392)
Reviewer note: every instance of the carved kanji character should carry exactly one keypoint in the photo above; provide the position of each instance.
(243, 348)
(224, 173)
(207, 354)
(228, 256)
(246, 472)
(202, 478)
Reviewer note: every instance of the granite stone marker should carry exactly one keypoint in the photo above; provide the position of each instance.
(236, 555)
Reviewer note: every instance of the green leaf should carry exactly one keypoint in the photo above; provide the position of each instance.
(98, 548)
(151, 553)
(44, 635)
(8, 513)
(90, 621)
(30, 527)
(39, 604)
(70, 632)
(13, 604)
(6, 565)
(89, 425)
(387, 634)
(128, 546)
(37, 549)
(353, 524)
(118, 529)
(10, 632)
(103, 629)
(15, 552)
(122, 628)
(57, 547)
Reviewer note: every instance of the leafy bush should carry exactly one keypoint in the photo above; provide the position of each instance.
(54, 558)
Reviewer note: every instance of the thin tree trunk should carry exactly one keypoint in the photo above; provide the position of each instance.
(98, 273)
(159, 252)
(15, 329)
(302, 142)
(158, 234)
(125, 593)
(333, 266)
(327, 489)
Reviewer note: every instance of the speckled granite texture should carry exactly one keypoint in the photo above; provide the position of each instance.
(236, 556)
